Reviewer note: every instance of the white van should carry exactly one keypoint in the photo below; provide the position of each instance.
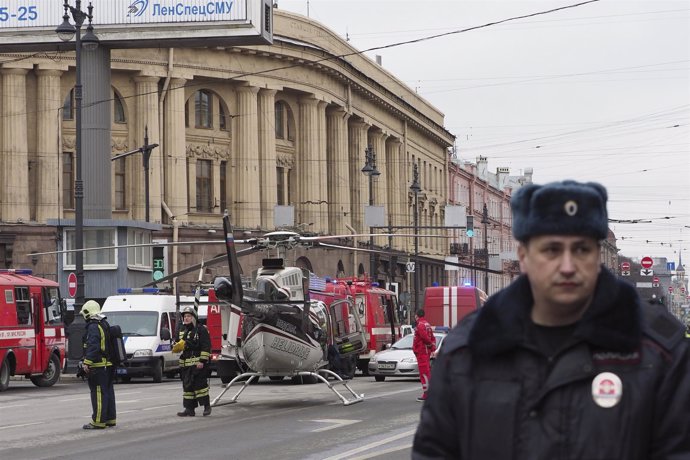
(148, 322)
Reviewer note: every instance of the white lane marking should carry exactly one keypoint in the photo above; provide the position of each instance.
(15, 405)
(371, 445)
(335, 423)
(21, 425)
(382, 452)
(159, 407)
(75, 399)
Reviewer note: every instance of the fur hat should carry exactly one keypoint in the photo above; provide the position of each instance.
(560, 208)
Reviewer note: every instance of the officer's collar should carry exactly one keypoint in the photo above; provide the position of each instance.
(612, 321)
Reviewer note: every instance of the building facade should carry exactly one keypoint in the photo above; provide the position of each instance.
(255, 130)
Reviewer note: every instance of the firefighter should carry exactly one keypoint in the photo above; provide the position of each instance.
(97, 367)
(423, 345)
(195, 344)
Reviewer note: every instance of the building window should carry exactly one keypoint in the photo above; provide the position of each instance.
(223, 186)
(222, 118)
(118, 109)
(280, 120)
(203, 109)
(139, 257)
(68, 106)
(120, 181)
(280, 185)
(284, 121)
(93, 237)
(68, 180)
(204, 186)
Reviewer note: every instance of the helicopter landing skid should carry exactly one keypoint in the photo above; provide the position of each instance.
(346, 399)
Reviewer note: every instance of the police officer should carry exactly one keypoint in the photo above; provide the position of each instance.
(567, 361)
(195, 344)
(98, 369)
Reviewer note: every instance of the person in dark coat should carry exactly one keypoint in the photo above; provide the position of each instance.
(195, 344)
(565, 363)
(98, 368)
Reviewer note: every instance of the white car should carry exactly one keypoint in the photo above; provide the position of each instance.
(398, 360)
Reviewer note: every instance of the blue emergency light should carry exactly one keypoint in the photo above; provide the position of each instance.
(150, 290)
(17, 271)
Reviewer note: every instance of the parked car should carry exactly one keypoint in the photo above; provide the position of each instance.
(398, 360)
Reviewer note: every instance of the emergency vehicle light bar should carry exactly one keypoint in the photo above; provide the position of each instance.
(149, 290)
(17, 271)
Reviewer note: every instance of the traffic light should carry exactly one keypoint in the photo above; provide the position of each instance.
(470, 226)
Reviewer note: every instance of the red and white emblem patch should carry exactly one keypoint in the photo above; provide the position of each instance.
(607, 389)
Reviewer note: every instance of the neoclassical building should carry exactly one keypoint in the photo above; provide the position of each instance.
(261, 131)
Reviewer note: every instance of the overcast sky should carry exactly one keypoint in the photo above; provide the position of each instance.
(596, 92)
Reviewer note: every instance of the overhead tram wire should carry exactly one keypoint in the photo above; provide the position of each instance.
(354, 53)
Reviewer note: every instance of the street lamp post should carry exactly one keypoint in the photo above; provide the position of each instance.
(370, 170)
(416, 188)
(90, 42)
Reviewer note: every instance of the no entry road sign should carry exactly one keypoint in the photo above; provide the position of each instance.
(647, 262)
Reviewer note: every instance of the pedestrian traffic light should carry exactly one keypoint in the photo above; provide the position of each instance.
(470, 226)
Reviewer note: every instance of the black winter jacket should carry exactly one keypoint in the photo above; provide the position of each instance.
(495, 396)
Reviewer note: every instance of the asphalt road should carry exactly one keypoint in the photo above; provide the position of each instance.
(271, 420)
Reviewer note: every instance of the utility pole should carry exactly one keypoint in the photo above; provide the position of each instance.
(485, 221)
(416, 188)
(146, 150)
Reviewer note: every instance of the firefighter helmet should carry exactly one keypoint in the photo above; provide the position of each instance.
(90, 308)
(191, 311)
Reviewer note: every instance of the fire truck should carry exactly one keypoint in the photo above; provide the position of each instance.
(377, 308)
(32, 334)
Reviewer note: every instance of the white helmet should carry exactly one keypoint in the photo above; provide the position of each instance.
(90, 308)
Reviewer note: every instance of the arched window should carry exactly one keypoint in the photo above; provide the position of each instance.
(68, 106)
(118, 109)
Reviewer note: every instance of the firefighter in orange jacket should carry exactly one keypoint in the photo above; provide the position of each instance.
(195, 344)
(423, 346)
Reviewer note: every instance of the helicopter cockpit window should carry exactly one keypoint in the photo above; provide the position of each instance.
(269, 290)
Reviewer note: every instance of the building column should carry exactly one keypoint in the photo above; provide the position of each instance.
(308, 184)
(174, 151)
(321, 171)
(338, 171)
(246, 173)
(267, 157)
(397, 192)
(147, 116)
(359, 197)
(47, 135)
(15, 166)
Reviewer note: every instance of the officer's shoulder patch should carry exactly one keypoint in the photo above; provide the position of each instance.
(661, 326)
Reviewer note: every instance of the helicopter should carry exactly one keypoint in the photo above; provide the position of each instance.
(283, 332)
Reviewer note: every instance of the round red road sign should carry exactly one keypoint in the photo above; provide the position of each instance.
(670, 289)
(625, 266)
(655, 280)
(72, 284)
(647, 262)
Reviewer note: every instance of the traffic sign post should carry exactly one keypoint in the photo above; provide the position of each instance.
(647, 262)
(655, 281)
(72, 284)
(625, 266)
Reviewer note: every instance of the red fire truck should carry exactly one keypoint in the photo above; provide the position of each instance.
(377, 307)
(32, 335)
(447, 305)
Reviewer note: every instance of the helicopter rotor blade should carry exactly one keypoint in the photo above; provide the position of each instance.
(219, 259)
(428, 260)
(233, 262)
(141, 245)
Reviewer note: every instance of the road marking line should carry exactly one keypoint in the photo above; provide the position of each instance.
(335, 423)
(19, 426)
(371, 445)
(382, 452)
(16, 405)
